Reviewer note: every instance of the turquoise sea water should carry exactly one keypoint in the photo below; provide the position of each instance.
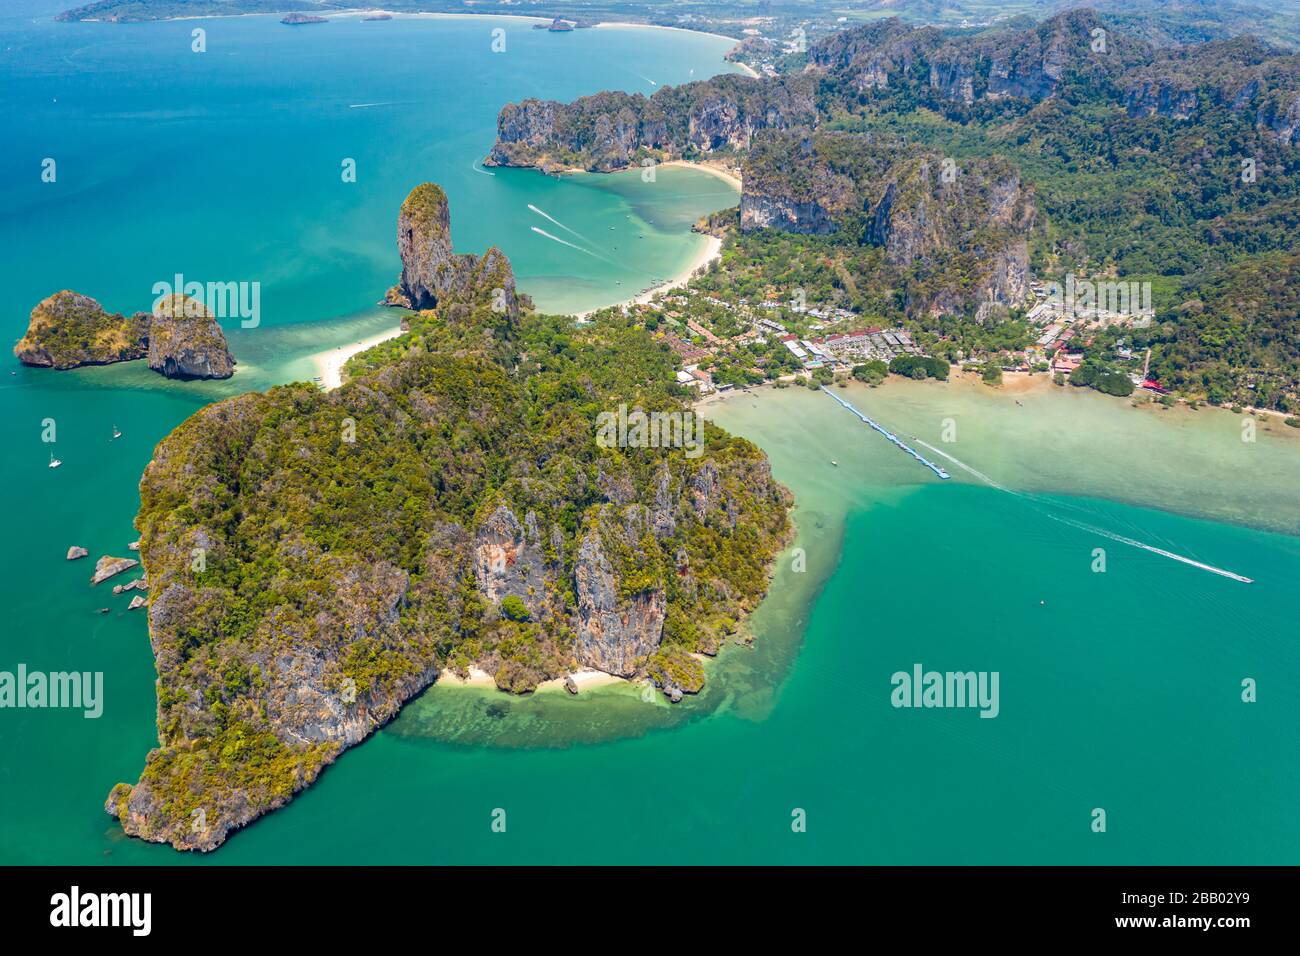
(1118, 690)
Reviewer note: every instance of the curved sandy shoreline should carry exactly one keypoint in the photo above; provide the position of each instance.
(330, 362)
(711, 167)
(712, 249)
(707, 253)
(421, 14)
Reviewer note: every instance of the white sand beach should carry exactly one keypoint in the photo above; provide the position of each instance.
(477, 678)
(330, 363)
(710, 250)
(712, 168)
(585, 679)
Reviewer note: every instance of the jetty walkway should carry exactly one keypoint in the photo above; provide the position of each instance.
(890, 435)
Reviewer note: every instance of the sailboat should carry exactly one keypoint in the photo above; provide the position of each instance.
(54, 462)
(116, 433)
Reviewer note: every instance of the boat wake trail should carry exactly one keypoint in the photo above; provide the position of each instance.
(622, 266)
(550, 218)
(474, 166)
(1147, 547)
(564, 242)
(965, 467)
(1091, 529)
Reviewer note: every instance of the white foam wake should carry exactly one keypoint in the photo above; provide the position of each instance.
(1093, 529)
(566, 242)
(549, 218)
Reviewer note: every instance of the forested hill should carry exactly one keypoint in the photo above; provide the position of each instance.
(1176, 166)
(1145, 163)
(316, 559)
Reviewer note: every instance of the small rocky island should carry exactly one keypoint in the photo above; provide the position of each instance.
(185, 341)
(69, 329)
(298, 19)
(181, 339)
(448, 507)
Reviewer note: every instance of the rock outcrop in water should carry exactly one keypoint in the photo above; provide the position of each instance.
(68, 330)
(107, 566)
(185, 341)
(432, 272)
(316, 559)
(180, 339)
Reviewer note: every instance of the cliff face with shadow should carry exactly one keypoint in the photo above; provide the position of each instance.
(612, 131)
(966, 223)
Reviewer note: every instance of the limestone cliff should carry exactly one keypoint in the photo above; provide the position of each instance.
(617, 631)
(889, 59)
(1241, 75)
(786, 188)
(1077, 52)
(611, 131)
(185, 341)
(432, 272)
(921, 208)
